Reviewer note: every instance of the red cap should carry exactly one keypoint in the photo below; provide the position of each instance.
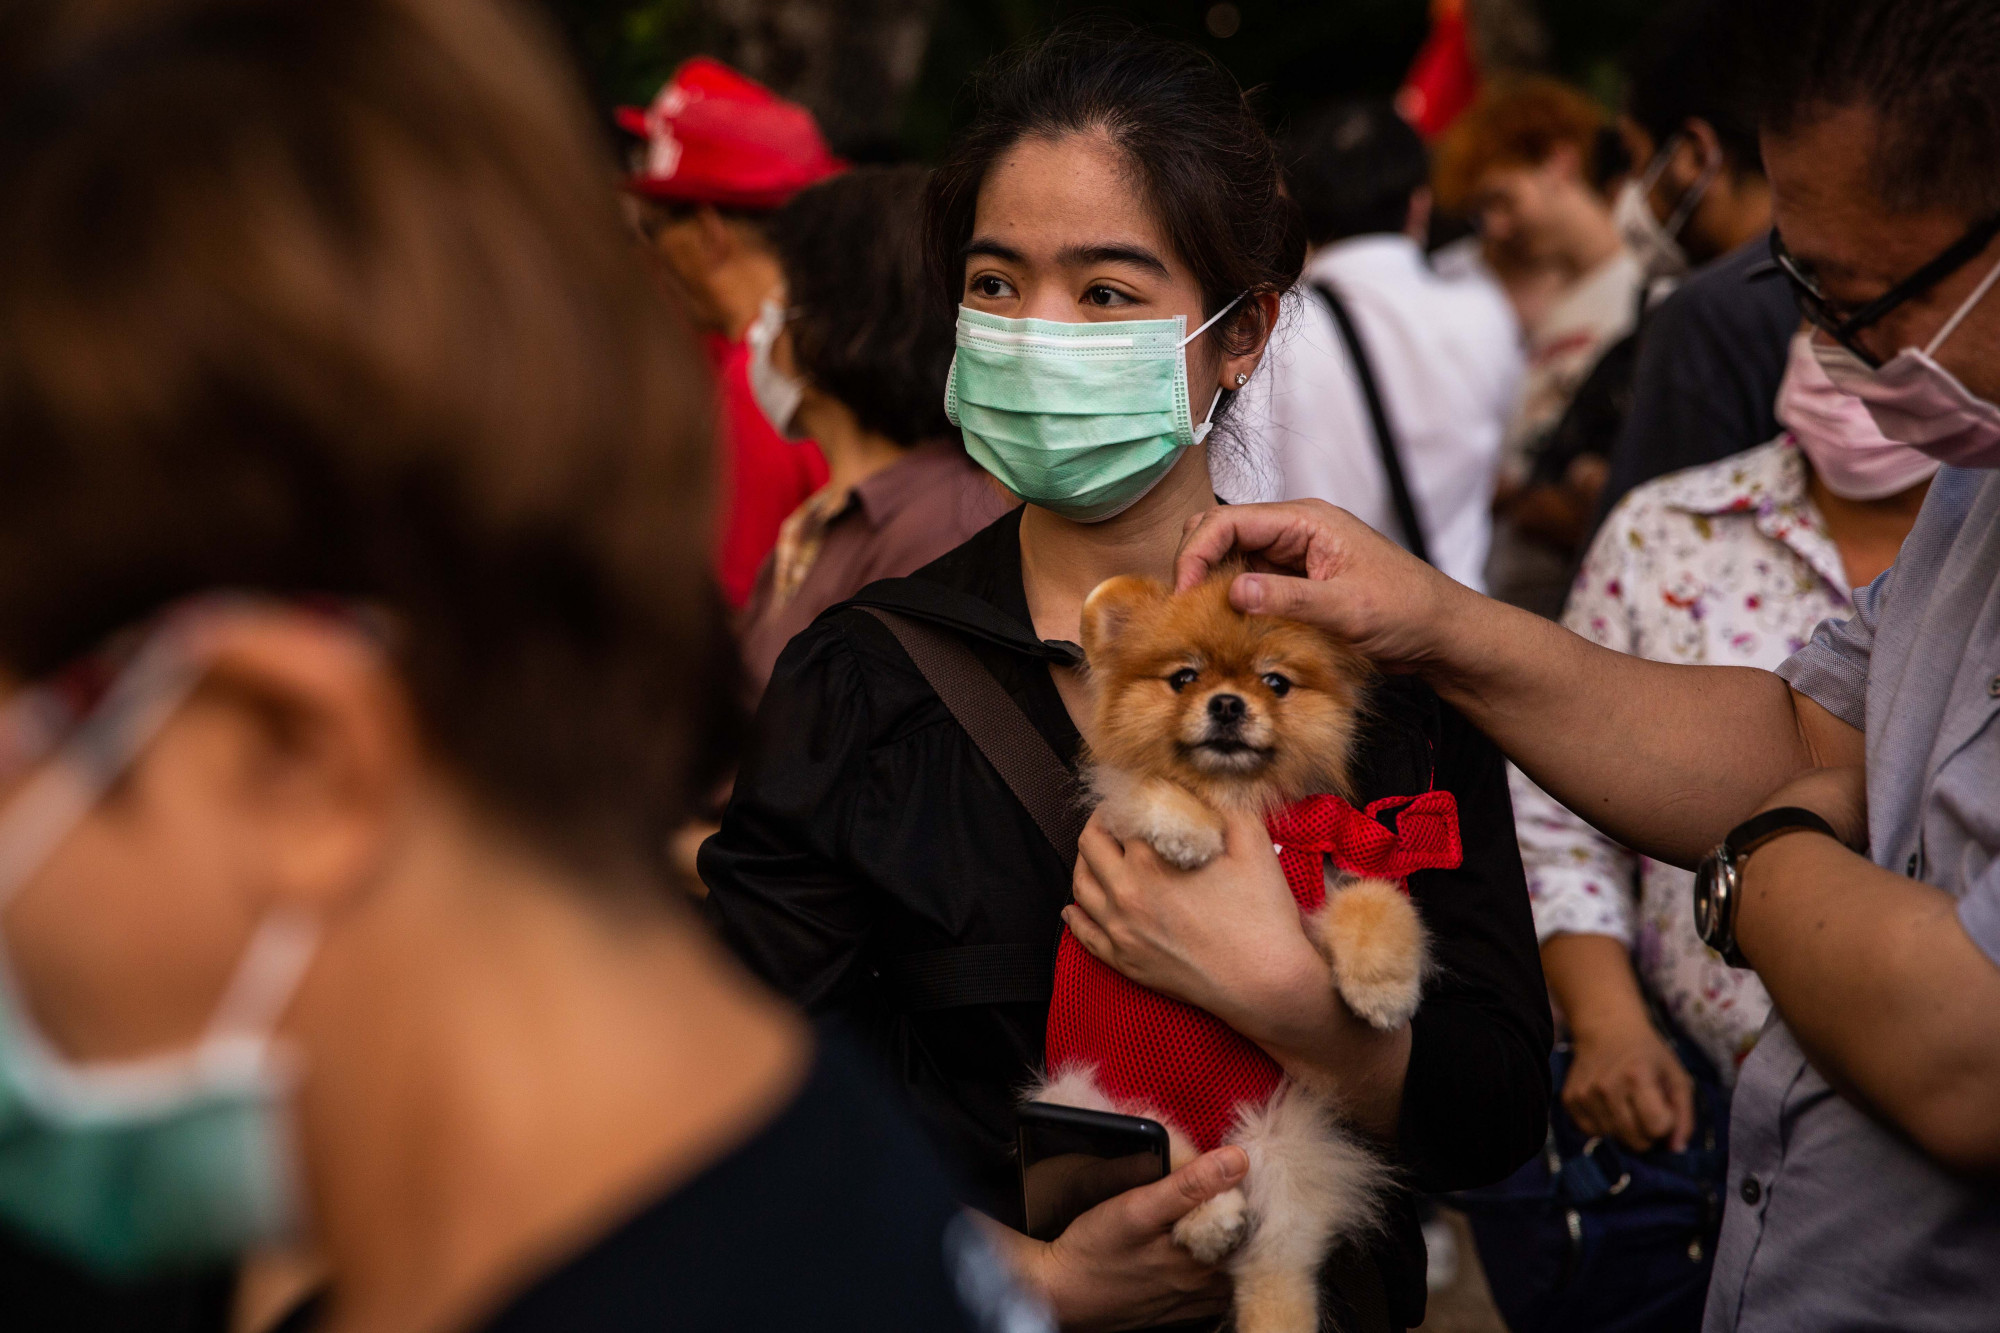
(716, 137)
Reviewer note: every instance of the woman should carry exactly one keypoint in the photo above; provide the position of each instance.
(854, 356)
(874, 864)
(1732, 563)
(349, 664)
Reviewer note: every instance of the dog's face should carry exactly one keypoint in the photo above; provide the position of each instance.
(1244, 711)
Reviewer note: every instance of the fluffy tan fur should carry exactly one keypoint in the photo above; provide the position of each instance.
(1199, 709)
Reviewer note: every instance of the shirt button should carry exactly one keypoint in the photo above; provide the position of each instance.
(1993, 688)
(1751, 1191)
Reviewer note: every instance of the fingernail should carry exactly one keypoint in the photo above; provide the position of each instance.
(1235, 1163)
(1249, 592)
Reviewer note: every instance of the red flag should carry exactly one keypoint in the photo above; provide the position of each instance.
(1442, 80)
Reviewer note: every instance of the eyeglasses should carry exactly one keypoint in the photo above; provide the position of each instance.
(1844, 327)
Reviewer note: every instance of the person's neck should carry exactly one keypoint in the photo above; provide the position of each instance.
(499, 1066)
(1063, 560)
(1591, 242)
(853, 452)
(739, 288)
(1867, 533)
(1736, 212)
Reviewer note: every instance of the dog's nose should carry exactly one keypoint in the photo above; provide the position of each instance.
(1226, 709)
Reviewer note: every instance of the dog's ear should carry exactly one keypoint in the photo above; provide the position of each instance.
(1110, 607)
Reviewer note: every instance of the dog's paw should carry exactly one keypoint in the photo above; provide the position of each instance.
(1371, 933)
(1187, 846)
(1213, 1231)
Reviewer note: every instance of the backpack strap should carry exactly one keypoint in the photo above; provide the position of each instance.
(1378, 416)
(1025, 761)
(983, 974)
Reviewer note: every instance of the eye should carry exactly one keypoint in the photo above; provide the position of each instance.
(991, 286)
(1101, 295)
(1183, 678)
(1277, 684)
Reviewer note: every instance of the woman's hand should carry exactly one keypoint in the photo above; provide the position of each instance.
(1315, 563)
(1628, 1085)
(1117, 1266)
(1225, 938)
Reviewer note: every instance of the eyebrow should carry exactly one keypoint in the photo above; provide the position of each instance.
(986, 245)
(1074, 256)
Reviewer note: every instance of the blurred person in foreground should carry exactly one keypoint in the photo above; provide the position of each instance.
(720, 154)
(1442, 355)
(349, 669)
(1729, 564)
(853, 352)
(1697, 193)
(1519, 162)
(1841, 809)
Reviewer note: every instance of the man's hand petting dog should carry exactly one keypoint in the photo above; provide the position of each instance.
(1225, 938)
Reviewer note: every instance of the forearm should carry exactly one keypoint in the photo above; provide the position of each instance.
(1592, 982)
(1883, 989)
(1307, 1029)
(1665, 759)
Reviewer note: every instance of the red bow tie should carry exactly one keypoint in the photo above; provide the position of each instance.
(1424, 835)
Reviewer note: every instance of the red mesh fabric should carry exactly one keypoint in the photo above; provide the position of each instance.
(1180, 1064)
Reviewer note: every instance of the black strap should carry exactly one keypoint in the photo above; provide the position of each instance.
(1025, 761)
(1385, 436)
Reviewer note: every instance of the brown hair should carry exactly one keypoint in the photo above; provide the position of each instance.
(334, 299)
(1516, 123)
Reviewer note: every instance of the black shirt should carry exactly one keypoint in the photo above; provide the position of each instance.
(1710, 360)
(828, 1220)
(866, 834)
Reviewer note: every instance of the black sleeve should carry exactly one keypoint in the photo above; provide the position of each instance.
(1710, 360)
(778, 892)
(1476, 1096)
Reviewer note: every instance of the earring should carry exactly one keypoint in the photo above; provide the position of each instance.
(1241, 379)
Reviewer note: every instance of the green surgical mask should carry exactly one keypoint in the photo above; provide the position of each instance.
(1079, 419)
(135, 1165)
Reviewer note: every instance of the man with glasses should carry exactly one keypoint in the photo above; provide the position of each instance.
(1844, 811)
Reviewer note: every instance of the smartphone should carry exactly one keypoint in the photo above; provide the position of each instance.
(1073, 1160)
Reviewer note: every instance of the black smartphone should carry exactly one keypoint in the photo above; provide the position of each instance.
(1073, 1160)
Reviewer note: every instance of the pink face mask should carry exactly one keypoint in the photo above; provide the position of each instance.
(1917, 401)
(1847, 450)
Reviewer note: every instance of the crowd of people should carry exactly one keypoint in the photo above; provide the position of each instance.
(493, 834)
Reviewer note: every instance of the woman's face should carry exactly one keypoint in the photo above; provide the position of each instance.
(1062, 232)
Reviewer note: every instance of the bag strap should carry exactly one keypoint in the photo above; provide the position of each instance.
(1024, 759)
(1378, 416)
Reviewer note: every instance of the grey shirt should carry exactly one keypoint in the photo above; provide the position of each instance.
(1834, 1221)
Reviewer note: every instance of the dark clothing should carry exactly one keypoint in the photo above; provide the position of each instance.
(867, 831)
(39, 1290)
(1710, 359)
(828, 1220)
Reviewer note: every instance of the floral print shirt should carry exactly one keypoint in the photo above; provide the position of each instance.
(1728, 564)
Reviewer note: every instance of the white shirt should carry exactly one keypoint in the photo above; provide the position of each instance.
(1724, 565)
(1447, 359)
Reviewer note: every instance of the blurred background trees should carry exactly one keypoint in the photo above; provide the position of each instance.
(885, 77)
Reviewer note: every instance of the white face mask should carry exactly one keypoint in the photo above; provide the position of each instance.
(1656, 244)
(778, 395)
(1917, 401)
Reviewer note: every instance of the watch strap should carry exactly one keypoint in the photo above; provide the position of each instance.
(1757, 830)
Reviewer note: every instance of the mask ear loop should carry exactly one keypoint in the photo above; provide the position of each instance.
(1208, 421)
(1978, 294)
(1691, 200)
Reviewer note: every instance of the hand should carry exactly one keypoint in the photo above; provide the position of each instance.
(1225, 938)
(1117, 1265)
(1837, 795)
(1628, 1085)
(1356, 584)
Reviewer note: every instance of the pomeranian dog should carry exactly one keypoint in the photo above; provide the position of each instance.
(1200, 709)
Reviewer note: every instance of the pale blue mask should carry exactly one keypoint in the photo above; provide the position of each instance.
(1078, 419)
(134, 1165)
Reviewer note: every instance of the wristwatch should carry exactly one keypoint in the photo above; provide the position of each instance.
(1718, 880)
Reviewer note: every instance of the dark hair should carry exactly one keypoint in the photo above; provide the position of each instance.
(380, 337)
(864, 324)
(1352, 168)
(1689, 63)
(1201, 155)
(1930, 69)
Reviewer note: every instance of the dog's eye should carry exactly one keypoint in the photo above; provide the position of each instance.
(1183, 678)
(1277, 684)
